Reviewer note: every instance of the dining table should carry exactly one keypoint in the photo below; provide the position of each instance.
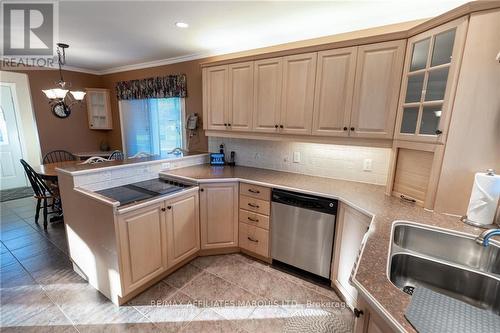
(48, 171)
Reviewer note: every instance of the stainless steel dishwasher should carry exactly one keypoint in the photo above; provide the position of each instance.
(302, 231)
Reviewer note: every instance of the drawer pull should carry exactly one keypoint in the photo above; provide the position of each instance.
(252, 240)
(252, 219)
(253, 191)
(408, 199)
(253, 205)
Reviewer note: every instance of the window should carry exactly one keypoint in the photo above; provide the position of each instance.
(154, 126)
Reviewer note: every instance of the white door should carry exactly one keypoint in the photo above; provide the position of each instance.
(11, 172)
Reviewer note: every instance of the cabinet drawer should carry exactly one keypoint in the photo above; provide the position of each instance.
(254, 191)
(254, 239)
(252, 218)
(255, 205)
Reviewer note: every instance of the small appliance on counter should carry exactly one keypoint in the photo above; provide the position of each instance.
(218, 159)
(483, 206)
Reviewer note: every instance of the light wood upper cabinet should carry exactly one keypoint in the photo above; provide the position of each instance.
(429, 82)
(268, 79)
(99, 109)
(299, 72)
(378, 76)
(142, 245)
(350, 230)
(215, 97)
(335, 74)
(219, 215)
(183, 231)
(241, 96)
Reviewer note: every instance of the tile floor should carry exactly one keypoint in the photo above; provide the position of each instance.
(228, 293)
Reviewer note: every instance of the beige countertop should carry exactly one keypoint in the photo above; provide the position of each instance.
(371, 276)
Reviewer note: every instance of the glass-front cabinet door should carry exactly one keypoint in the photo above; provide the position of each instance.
(429, 82)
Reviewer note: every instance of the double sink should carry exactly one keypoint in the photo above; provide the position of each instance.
(451, 264)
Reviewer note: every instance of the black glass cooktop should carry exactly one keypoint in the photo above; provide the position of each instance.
(143, 190)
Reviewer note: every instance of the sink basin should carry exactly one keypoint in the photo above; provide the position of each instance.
(447, 263)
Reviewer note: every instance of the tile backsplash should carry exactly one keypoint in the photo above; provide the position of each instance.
(325, 160)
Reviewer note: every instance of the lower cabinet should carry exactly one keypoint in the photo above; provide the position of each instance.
(143, 245)
(219, 215)
(368, 320)
(254, 239)
(352, 226)
(156, 237)
(183, 228)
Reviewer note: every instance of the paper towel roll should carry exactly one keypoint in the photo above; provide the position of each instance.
(484, 198)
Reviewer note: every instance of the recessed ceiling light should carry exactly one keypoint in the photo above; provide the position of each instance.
(181, 25)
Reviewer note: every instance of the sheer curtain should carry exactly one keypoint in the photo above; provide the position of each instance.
(154, 125)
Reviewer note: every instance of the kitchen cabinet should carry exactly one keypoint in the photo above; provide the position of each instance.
(351, 228)
(368, 320)
(183, 227)
(429, 82)
(299, 72)
(219, 215)
(215, 97)
(142, 245)
(268, 80)
(254, 239)
(99, 109)
(240, 96)
(335, 74)
(376, 89)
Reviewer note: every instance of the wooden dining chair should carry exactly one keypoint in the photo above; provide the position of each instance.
(116, 155)
(43, 193)
(58, 156)
(94, 159)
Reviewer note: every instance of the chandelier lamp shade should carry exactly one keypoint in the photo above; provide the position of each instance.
(58, 97)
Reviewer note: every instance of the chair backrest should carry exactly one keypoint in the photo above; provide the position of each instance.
(58, 156)
(94, 159)
(116, 155)
(141, 154)
(39, 187)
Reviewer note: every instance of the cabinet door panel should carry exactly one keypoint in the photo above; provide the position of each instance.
(241, 96)
(219, 215)
(215, 97)
(378, 78)
(183, 228)
(268, 78)
(299, 72)
(333, 94)
(99, 109)
(351, 228)
(142, 245)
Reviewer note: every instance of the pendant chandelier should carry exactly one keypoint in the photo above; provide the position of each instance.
(57, 96)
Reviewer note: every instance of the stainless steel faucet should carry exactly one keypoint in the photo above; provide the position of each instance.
(484, 238)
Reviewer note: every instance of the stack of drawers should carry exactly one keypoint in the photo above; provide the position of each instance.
(255, 208)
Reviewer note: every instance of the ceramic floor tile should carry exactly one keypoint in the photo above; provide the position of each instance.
(156, 294)
(205, 262)
(266, 319)
(7, 259)
(40, 329)
(9, 234)
(32, 250)
(182, 276)
(210, 322)
(18, 304)
(143, 327)
(23, 241)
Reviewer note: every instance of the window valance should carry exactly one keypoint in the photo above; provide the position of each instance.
(155, 87)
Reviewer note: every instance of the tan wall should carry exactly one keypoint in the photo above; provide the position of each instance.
(72, 133)
(192, 69)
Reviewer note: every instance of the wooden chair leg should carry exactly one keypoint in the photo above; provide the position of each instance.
(37, 213)
(45, 213)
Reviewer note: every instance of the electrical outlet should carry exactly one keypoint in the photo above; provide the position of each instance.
(296, 157)
(367, 164)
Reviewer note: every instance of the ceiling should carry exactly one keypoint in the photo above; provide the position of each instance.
(109, 36)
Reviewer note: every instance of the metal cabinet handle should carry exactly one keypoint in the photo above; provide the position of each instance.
(252, 219)
(169, 207)
(439, 132)
(225, 125)
(345, 128)
(163, 209)
(358, 313)
(405, 198)
(253, 205)
(281, 126)
(253, 191)
(229, 125)
(201, 190)
(252, 240)
(276, 126)
(352, 128)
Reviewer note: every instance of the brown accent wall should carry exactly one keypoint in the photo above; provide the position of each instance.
(72, 133)
(192, 69)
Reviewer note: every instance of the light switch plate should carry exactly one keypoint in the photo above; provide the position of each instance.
(296, 157)
(367, 164)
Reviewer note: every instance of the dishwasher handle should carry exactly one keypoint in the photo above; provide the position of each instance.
(305, 201)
